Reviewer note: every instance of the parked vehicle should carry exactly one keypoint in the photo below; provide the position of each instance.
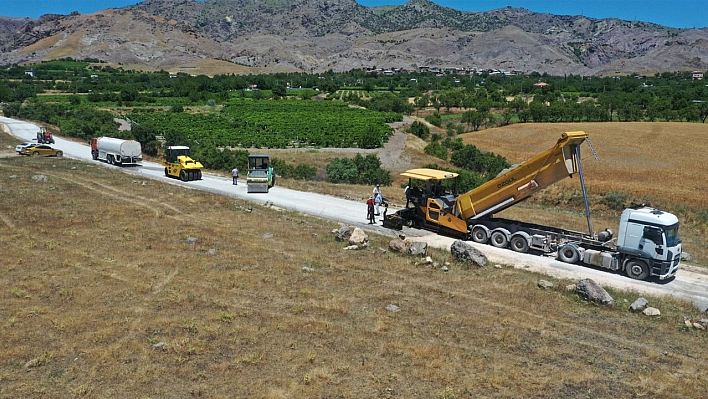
(20, 146)
(260, 177)
(41, 150)
(116, 151)
(647, 244)
(178, 163)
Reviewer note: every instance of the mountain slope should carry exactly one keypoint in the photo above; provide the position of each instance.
(315, 36)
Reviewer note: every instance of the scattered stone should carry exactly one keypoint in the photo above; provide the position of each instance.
(358, 237)
(393, 308)
(498, 266)
(465, 252)
(591, 291)
(342, 234)
(545, 284)
(211, 252)
(436, 265)
(160, 346)
(418, 248)
(704, 322)
(639, 305)
(307, 269)
(445, 269)
(382, 250)
(314, 235)
(351, 247)
(571, 287)
(651, 312)
(40, 178)
(191, 240)
(267, 235)
(73, 168)
(428, 260)
(32, 363)
(699, 326)
(13, 177)
(446, 263)
(685, 256)
(687, 321)
(397, 245)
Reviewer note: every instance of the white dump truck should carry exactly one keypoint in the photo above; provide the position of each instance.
(116, 151)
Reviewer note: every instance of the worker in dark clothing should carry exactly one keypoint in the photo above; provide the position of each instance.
(370, 211)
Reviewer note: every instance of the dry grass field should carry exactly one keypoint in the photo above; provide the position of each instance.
(102, 296)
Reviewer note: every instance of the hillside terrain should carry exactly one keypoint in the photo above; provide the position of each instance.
(242, 36)
(129, 287)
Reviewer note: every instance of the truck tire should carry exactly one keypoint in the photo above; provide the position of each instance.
(109, 159)
(499, 238)
(480, 234)
(199, 174)
(568, 253)
(183, 175)
(637, 269)
(167, 173)
(519, 243)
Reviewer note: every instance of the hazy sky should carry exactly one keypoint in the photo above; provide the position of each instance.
(672, 13)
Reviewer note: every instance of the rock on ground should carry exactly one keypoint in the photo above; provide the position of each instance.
(465, 252)
(639, 305)
(342, 234)
(591, 291)
(358, 237)
(418, 248)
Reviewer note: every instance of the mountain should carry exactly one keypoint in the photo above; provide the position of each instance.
(254, 36)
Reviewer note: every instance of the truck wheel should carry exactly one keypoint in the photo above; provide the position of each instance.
(568, 253)
(519, 243)
(109, 159)
(637, 269)
(167, 173)
(199, 174)
(498, 239)
(183, 175)
(480, 235)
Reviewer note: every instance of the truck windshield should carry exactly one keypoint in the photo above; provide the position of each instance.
(672, 236)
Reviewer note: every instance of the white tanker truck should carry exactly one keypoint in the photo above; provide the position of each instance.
(116, 151)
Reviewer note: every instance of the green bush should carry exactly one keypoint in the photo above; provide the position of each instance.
(420, 129)
(615, 200)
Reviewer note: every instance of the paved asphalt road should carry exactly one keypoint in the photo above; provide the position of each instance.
(688, 285)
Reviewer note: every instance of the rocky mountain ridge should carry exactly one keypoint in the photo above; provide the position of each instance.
(242, 36)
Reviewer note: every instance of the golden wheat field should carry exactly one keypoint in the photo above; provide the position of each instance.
(103, 296)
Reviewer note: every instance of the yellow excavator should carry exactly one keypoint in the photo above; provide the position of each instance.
(647, 244)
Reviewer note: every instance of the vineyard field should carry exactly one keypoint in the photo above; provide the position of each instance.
(245, 123)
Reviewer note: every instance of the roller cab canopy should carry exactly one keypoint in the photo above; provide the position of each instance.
(429, 174)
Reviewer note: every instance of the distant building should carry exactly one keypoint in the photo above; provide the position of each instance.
(698, 75)
(29, 72)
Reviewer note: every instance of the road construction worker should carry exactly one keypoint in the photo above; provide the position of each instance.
(234, 173)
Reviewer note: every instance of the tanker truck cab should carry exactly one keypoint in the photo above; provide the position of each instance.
(648, 243)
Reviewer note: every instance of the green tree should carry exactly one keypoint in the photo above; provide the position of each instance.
(419, 129)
